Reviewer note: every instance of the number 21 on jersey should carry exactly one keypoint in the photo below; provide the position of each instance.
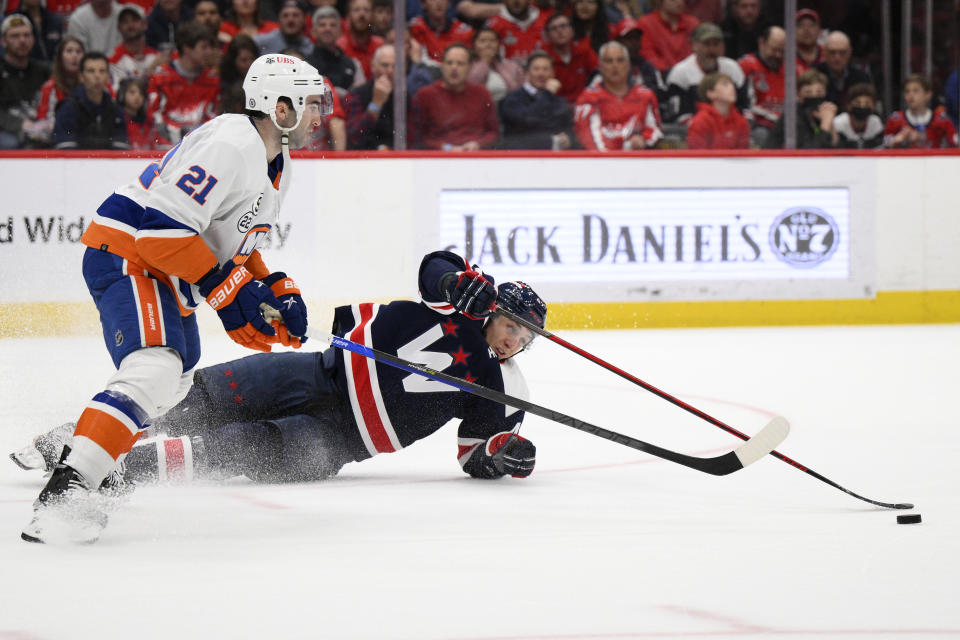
(196, 183)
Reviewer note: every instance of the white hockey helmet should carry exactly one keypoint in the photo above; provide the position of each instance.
(273, 76)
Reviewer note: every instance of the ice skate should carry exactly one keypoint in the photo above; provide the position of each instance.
(67, 510)
(44, 452)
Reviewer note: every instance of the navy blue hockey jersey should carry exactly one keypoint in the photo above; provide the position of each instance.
(393, 408)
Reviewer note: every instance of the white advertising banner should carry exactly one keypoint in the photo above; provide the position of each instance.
(652, 235)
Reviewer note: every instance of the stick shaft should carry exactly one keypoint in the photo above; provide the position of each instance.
(720, 465)
(686, 407)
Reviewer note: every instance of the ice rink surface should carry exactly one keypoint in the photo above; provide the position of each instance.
(602, 542)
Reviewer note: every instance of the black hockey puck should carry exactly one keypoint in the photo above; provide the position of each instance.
(910, 518)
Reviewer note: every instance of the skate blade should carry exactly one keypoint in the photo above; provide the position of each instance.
(28, 458)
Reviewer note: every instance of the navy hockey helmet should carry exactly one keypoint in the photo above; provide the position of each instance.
(521, 300)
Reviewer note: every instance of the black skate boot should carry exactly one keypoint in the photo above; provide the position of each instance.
(67, 510)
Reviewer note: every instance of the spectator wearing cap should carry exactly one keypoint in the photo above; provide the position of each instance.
(21, 78)
(133, 58)
(809, 51)
(718, 124)
(290, 34)
(95, 25)
(574, 61)
(666, 34)
(535, 116)
(359, 42)
(345, 73)
(89, 118)
(742, 26)
(436, 31)
(164, 20)
(630, 35)
(683, 81)
(612, 115)
(841, 74)
(765, 79)
(452, 114)
(47, 28)
(370, 106)
(183, 94)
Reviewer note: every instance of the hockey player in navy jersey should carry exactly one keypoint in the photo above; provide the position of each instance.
(302, 416)
(185, 231)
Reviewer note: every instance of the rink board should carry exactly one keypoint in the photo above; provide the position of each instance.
(610, 242)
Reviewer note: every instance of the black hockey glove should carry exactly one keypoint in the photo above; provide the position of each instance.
(508, 454)
(469, 292)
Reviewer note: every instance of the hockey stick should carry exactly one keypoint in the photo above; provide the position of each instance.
(748, 453)
(683, 405)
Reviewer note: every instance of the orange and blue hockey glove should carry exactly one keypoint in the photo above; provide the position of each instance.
(236, 296)
(291, 307)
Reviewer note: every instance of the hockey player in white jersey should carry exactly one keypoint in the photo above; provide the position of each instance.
(183, 232)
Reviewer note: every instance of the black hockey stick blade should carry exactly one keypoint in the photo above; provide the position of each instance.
(748, 453)
(689, 408)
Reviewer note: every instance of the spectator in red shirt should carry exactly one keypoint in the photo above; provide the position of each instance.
(489, 69)
(574, 62)
(183, 94)
(453, 114)
(435, 31)
(243, 16)
(718, 124)
(590, 24)
(765, 80)
(141, 131)
(918, 126)
(64, 79)
(809, 51)
(613, 116)
(132, 58)
(359, 42)
(520, 27)
(666, 34)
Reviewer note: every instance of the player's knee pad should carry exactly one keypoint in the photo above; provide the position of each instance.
(150, 377)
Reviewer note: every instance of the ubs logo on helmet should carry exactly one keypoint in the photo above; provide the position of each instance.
(246, 220)
(804, 237)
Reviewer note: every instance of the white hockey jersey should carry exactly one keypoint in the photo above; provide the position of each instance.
(212, 198)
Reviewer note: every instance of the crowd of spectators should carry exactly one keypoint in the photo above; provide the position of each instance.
(623, 75)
